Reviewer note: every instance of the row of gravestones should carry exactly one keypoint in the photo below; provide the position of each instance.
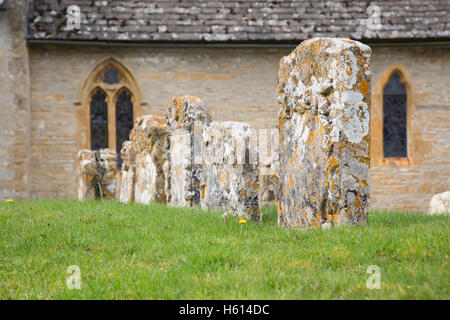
(322, 179)
(183, 159)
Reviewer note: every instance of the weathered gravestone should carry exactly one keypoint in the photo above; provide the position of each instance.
(96, 174)
(230, 170)
(149, 137)
(128, 180)
(440, 203)
(268, 164)
(324, 134)
(86, 174)
(186, 116)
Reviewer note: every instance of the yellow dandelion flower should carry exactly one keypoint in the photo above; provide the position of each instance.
(10, 200)
(242, 221)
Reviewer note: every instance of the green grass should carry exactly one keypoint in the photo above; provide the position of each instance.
(156, 252)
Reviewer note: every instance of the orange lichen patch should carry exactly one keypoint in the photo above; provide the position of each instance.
(278, 206)
(289, 185)
(223, 177)
(256, 185)
(333, 163)
(244, 194)
(311, 137)
(364, 88)
(203, 191)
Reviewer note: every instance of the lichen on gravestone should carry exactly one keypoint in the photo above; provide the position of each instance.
(128, 176)
(230, 170)
(149, 137)
(97, 171)
(186, 116)
(324, 108)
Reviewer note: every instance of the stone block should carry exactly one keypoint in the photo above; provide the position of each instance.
(151, 143)
(324, 134)
(440, 203)
(86, 174)
(268, 164)
(128, 176)
(229, 180)
(185, 110)
(107, 167)
(186, 116)
(97, 171)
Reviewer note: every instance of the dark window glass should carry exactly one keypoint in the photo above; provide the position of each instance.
(99, 121)
(394, 119)
(124, 121)
(111, 76)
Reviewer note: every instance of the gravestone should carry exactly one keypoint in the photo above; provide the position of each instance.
(149, 137)
(97, 171)
(230, 170)
(186, 116)
(324, 105)
(128, 179)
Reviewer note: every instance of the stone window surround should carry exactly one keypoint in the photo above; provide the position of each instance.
(377, 154)
(94, 80)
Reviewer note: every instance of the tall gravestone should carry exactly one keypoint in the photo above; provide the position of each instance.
(186, 116)
(324, 107)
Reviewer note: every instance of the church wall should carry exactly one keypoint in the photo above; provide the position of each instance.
(411, 184)
(14, 104)
(237, 84)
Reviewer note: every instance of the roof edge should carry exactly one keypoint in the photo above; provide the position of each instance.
(237, 44)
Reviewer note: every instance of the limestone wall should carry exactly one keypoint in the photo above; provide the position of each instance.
(239, 84)
(324, 134)
(15, 177)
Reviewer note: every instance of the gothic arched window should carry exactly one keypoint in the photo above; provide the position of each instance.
(110, 101)
(395, 144)
(124, 119)
(99, 120)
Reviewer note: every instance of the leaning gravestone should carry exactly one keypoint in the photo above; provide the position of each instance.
(324, 108)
